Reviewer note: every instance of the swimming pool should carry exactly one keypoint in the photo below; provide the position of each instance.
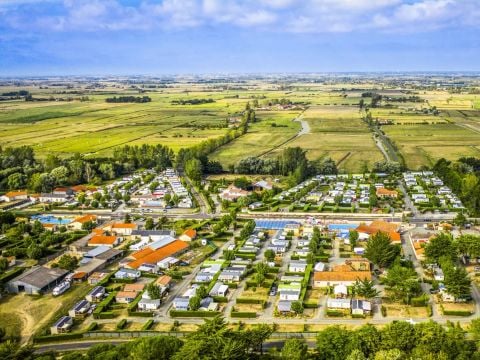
(50, 219)
(342, 227)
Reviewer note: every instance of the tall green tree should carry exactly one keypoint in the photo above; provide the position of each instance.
(294, 349)
(380, 250)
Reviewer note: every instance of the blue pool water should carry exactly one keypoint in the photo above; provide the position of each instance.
(50, 219)
(342, 227)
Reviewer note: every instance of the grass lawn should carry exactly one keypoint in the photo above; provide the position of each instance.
(255, 293)
(29, 314)
(405, 311)
(248, 307)
(459, 307)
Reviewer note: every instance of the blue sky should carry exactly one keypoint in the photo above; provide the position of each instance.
(57, 37)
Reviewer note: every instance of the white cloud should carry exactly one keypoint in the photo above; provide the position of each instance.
(308, 16)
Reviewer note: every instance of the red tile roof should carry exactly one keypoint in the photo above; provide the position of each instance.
(102, 240)
(153, 257)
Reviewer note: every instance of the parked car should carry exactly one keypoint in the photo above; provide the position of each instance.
(273, 291)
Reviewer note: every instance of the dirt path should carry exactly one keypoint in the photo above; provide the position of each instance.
(303, 131)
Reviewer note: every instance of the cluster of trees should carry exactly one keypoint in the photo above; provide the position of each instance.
(129, 99)
(396, 341)
(16, 93)
(20, 169)
(32, 240)
(290, 162)
(192, 101)
(463, 177)
(200, 152)
(443, 250)
(376, 98)
(215, 340)
(388, 167)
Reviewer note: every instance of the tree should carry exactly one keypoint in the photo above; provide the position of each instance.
(356, 355)
(68, 262)
(153, 348)
(334, 343)
(380, 250)
(368, 339)
(402, 282)
(399, 335)
(16, 181)
(269, 255)
(294, 349)
(392, 354)
(60, 175)
(353, 237)
(365, 288)
(297, 307)
(34, 252)
(460, 219)
(154, 291)
(88, 225)
(201, 292)
(127, 219)
(194, 303)
(149, 224)
(457, 282)
(440, 246)
(3, 264)
(228, 254)
(193, 169)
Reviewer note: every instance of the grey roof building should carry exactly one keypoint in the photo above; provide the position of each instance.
(37, 280)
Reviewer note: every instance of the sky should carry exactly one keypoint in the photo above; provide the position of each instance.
(156, 37)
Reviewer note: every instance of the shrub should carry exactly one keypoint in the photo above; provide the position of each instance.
(250, 301)
(419, 301)
(121, 324)
(93, 326)
(59, 337)
(147, 325)
(334, 313)
(457, 312)
(189, 313)
(238, 314)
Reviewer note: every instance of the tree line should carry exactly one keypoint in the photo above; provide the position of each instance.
(398, 340)
(19, 168)
(192, 101)
(463, 177)
(128, 99)
(290, 162)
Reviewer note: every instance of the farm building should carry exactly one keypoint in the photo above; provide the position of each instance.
(37, 280)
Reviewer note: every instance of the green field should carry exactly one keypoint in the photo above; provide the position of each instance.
(336, 128)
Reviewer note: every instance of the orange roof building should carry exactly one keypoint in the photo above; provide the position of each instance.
(98, 240)
(124, 228)
(133, 287)
(188, 235)
(86, 218)
(154, 256)
(14, 195)
(331, 278)
(163, 281)
(79, 221)
(385, 193)
(381, 226)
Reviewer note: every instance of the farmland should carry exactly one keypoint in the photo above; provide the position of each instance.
(73, 117)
